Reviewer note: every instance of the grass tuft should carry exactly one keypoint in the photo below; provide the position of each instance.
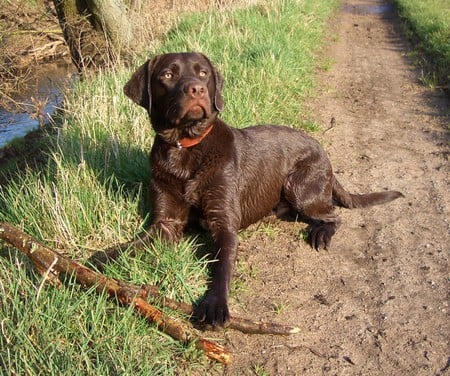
(428, 24)
(265, 54)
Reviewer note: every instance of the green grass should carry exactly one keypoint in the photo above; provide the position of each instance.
(266, 54)
(69, 331)
(91, 192)
(428, 23)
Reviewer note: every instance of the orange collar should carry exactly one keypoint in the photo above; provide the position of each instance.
(187, 142)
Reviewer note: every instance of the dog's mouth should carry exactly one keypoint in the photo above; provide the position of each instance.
(193, 112)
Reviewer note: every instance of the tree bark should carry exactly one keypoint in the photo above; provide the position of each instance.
(110, 16)
(97, 32)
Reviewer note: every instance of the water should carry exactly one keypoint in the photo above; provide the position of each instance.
(45, 87)
(367, 8)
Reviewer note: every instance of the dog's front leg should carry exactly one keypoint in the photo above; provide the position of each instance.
(170, 210)
(214, 307)
(170, 216)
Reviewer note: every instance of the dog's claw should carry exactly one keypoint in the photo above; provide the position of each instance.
(320, 236)
(213, 310)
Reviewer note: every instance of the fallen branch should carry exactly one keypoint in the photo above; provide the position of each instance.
(236, 323)
(21, 32)
(53, 263)
(50, 263)
(48, 48)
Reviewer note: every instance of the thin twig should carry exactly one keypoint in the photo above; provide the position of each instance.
(21, 32)
(332, 125)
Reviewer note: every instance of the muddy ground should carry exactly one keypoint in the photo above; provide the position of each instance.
(377, 303)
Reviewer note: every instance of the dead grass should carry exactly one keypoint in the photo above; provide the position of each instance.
(30, 34)
(162, 15)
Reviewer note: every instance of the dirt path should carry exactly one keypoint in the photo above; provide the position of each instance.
(377, 302)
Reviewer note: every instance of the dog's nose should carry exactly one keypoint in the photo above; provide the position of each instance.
(196, 91)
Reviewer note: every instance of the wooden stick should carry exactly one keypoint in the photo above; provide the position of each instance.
(237, 323)
(50, 263)
(47, 259)
(146, 292)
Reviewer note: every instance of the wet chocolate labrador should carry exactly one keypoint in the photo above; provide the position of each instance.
(228, 178)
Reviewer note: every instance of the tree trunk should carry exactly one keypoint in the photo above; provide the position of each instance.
(96, 31)
(111, 16)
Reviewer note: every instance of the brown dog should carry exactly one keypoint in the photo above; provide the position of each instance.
(228, 178)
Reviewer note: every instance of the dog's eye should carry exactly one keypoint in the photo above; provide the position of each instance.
(203, 73)
(168, 75)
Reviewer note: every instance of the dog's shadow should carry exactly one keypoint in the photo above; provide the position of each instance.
(122, 169)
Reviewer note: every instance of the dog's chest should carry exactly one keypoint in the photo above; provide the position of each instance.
(184, 171)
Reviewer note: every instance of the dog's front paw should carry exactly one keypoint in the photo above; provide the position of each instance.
(320, 235)
(213, 310)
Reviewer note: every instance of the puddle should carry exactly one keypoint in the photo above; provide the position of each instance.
(45, 87)
(367, 8)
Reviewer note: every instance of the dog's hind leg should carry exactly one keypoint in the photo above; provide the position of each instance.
(309, 190)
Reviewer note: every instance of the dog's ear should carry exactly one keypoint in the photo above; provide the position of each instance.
(218, 100)
(218, 80)
(138, 87)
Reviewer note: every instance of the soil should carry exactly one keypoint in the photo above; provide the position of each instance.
(377, 303)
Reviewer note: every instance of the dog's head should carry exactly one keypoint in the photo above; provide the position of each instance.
(179, 90)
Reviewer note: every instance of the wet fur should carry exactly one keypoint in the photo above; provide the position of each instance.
(234, 177)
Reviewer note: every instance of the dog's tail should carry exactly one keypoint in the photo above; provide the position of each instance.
(350, 201)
